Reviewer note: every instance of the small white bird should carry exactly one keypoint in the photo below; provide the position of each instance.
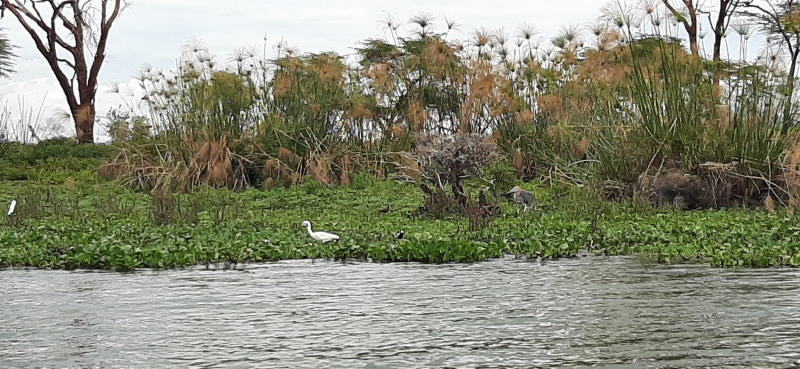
(12, 207)
(320, 236)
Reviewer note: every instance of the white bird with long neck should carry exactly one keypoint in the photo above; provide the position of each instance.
(11, 207)
(320, 236)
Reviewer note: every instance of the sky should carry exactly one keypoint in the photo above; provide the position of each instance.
(152, 32)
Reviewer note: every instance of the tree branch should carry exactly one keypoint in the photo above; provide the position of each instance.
(770, 19)
(67, 62)
(676, 13)
(105, 27)
(57, 10)
(39, 20)
(43, 49)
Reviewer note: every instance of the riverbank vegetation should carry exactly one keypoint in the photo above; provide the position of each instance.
(636, 116)
(617, 134)
(96, 225)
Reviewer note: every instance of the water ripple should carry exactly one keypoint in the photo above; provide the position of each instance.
(615, 312)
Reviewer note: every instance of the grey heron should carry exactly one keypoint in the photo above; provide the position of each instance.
(521, 196)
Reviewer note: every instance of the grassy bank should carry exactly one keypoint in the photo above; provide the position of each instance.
(89, 224)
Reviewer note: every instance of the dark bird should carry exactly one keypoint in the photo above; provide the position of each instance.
(521, 196)
(386, 209)
(400, 235)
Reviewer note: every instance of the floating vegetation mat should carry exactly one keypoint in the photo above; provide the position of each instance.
(104, 227)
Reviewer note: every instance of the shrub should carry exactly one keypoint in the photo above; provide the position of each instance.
(444, 163)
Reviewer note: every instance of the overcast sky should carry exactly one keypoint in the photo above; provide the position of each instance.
(153, 32)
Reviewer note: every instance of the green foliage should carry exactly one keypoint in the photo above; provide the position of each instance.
(124, 126)
(5, 143)
(302, 104)
(5, 134)
(680, 117)
(63, 148)
(49, 229)
(6, 56)
(53, 161)
(362, 180)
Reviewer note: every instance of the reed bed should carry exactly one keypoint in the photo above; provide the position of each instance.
(620, 116)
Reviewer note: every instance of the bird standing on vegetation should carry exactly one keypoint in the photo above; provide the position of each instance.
(11, 207)
(386, 209)
(521, 196)
(320, 236)
(399, 235)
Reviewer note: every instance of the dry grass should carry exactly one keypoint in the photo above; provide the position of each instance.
(319, 168)
(70, 184)
(790, 172)
(178, 168)
(519, 163)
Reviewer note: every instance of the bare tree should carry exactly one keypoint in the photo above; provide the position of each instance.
(78, 30)
(727, 9)
(725, 13)
(448, 160)
(780, 20)
(689, 20)
(687, 14)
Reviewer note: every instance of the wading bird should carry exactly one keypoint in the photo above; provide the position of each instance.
(399, 235)
(320, 236)
(11, 207)
(521, 196)
(386, 209)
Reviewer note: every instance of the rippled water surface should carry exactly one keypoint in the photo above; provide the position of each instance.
(603, 312)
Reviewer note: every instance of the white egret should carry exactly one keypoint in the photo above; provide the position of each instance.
(320, 236)
(11, 207)
(521, 196)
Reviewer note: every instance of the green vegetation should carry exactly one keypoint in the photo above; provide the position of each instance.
(52, 161)
(7, 57)
(98, 225)
(224, 157)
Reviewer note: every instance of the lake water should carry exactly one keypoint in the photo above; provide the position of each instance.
(587, 312)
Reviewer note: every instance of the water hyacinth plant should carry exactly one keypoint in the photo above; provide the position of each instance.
(106, 228)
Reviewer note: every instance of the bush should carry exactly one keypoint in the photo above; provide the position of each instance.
(69, 149)
(53, 161)
(58, 148)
